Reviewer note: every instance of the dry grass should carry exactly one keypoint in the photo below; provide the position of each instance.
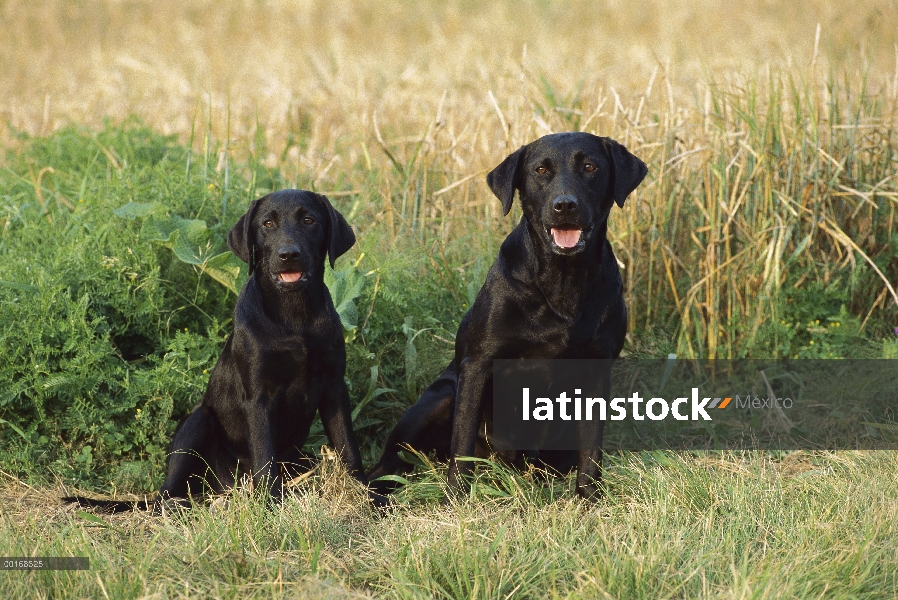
(810, 525)
(167, 61)
(770, 143)
(772, 154)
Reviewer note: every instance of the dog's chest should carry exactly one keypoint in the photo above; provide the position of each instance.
(295, 360)
(534, 329)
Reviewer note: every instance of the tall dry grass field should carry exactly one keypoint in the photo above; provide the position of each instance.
(769, 128)
(767, 226)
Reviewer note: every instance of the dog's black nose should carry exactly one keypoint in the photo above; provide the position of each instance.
(564, 203)
(288, 253)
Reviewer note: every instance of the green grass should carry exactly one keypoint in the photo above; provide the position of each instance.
(109, 328)
(119, 329)
(800, 525)
(123, 320)
(767, 227)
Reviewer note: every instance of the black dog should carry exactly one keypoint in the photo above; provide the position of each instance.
(284, 361)
(554, 292)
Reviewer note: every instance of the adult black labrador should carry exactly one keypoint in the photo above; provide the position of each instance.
(555, 291)
(283, 362)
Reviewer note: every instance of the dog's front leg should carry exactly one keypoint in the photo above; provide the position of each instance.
(473, 378)
(589, 468)
(261, 447)
(589, 433)
(337, 421)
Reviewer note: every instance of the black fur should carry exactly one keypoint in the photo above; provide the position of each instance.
(540, 300)
(283, 362)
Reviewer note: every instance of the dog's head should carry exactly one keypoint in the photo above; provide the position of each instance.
(567, 183)
(286, 234)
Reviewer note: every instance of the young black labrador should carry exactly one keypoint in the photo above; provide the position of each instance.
(283, 362)
(555, 291)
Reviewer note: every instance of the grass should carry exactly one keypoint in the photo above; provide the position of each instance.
(730, 526)
(767, 227)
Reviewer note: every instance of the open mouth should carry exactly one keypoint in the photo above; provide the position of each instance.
(566, 237)
(291, 276)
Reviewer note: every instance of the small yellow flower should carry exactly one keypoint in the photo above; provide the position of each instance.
(205, 371)
(812, 342)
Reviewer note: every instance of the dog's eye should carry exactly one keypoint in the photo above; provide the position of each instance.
(268, 223)
(589, 167)
(308, 220)
(541, 170)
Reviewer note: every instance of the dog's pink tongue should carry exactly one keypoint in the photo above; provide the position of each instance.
(566, 238)
(291, 276)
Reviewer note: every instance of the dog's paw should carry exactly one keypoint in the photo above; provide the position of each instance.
(164, 506)
(221, 504)
(380, 501)
(591, 492)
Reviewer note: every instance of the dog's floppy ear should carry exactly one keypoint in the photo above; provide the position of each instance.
(240, 237)
(505, 178)
(627, 171)
(340, 237)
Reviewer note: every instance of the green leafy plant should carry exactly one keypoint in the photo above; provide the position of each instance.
(345, 286)
(190, 240)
